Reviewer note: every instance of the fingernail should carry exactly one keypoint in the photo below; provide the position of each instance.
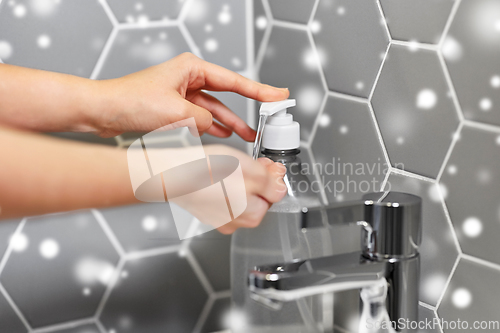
(285, 89)
(281, 167)
(281, 188)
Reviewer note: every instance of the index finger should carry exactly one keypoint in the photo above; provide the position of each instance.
(218, 78)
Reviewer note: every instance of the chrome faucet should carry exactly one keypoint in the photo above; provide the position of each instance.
(386, 269)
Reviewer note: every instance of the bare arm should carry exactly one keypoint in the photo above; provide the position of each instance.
(47, 101)
(140, 102)
(39, 174)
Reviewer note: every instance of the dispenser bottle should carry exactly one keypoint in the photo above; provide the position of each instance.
(279, 237)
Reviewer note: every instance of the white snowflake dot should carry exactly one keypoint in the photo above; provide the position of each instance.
(49, 249)
(44, 41)
(485, 104)
(211, 45)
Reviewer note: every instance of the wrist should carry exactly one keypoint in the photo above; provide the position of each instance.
(102, 113)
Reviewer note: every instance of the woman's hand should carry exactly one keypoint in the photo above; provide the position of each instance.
(172, 91)
(261, 186)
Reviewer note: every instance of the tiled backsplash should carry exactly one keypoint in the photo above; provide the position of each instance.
(414, 84)
(122, 269)
(410, 84)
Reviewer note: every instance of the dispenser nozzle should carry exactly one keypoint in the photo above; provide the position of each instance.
(271, 108)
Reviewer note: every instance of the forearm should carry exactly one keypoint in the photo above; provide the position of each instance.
(47, 101)
(40, 175)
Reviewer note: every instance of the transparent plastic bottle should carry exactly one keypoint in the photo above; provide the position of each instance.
(279, 238)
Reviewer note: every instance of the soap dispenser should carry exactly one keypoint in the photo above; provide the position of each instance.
(279, 237)
(278, 138)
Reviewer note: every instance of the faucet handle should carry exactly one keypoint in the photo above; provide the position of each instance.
(391, 222)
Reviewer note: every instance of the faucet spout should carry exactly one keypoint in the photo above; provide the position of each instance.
(386, 269)
(302, 278)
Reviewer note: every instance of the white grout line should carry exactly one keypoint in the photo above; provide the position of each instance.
(262, 48)
(190, 41)
(152, 252)
(15, 308)
(109, 12)
(386, 179)
(222, 294)
(204, 314)
(482, 126)
(184, 11)
(480, 261)
(451, 86)
(379, 135)
(250, 38)
(456, 136)
(199, 272)
(313, 13)
(66, 325)
(318, 58)
(100, 326)
(108, 232)
(448, 280)
(412, 175)
(316, 121)
(415, 45)
(370, 96)
(348, 97)
(267, 9)
(148, 25)
(427, 306)
(109, 288)
(104, 54)
(8, 251)
(289, 25)
(384, 20)
(454, 10)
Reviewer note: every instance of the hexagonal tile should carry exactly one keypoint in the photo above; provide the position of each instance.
(438, 251)
(471, 296)
(406, 19)
(351, 40)
(218, 28)
(133, 11)
(59, 268)
(212, 250)
(471, 178)
(7, 228)
(426, 315)
(155, 294)
(260, 24)
(217, 319)
(290, 62)
(237, 104)
(144, 226)
(136, 49)
(10, 321)
(348, 151)
(85, 328)
(38, 32)
(416, 117)
(297, 11)
(472, 53)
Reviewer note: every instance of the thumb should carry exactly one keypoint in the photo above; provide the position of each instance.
(202, 117)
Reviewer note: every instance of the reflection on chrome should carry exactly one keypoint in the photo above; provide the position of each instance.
(386, 269)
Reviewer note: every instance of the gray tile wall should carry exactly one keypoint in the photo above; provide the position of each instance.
(414, 86)
(121, 269)
(409, 88)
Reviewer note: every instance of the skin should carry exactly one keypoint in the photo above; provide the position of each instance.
(41, 174)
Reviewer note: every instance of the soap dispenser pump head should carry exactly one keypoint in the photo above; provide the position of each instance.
(281, 132)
